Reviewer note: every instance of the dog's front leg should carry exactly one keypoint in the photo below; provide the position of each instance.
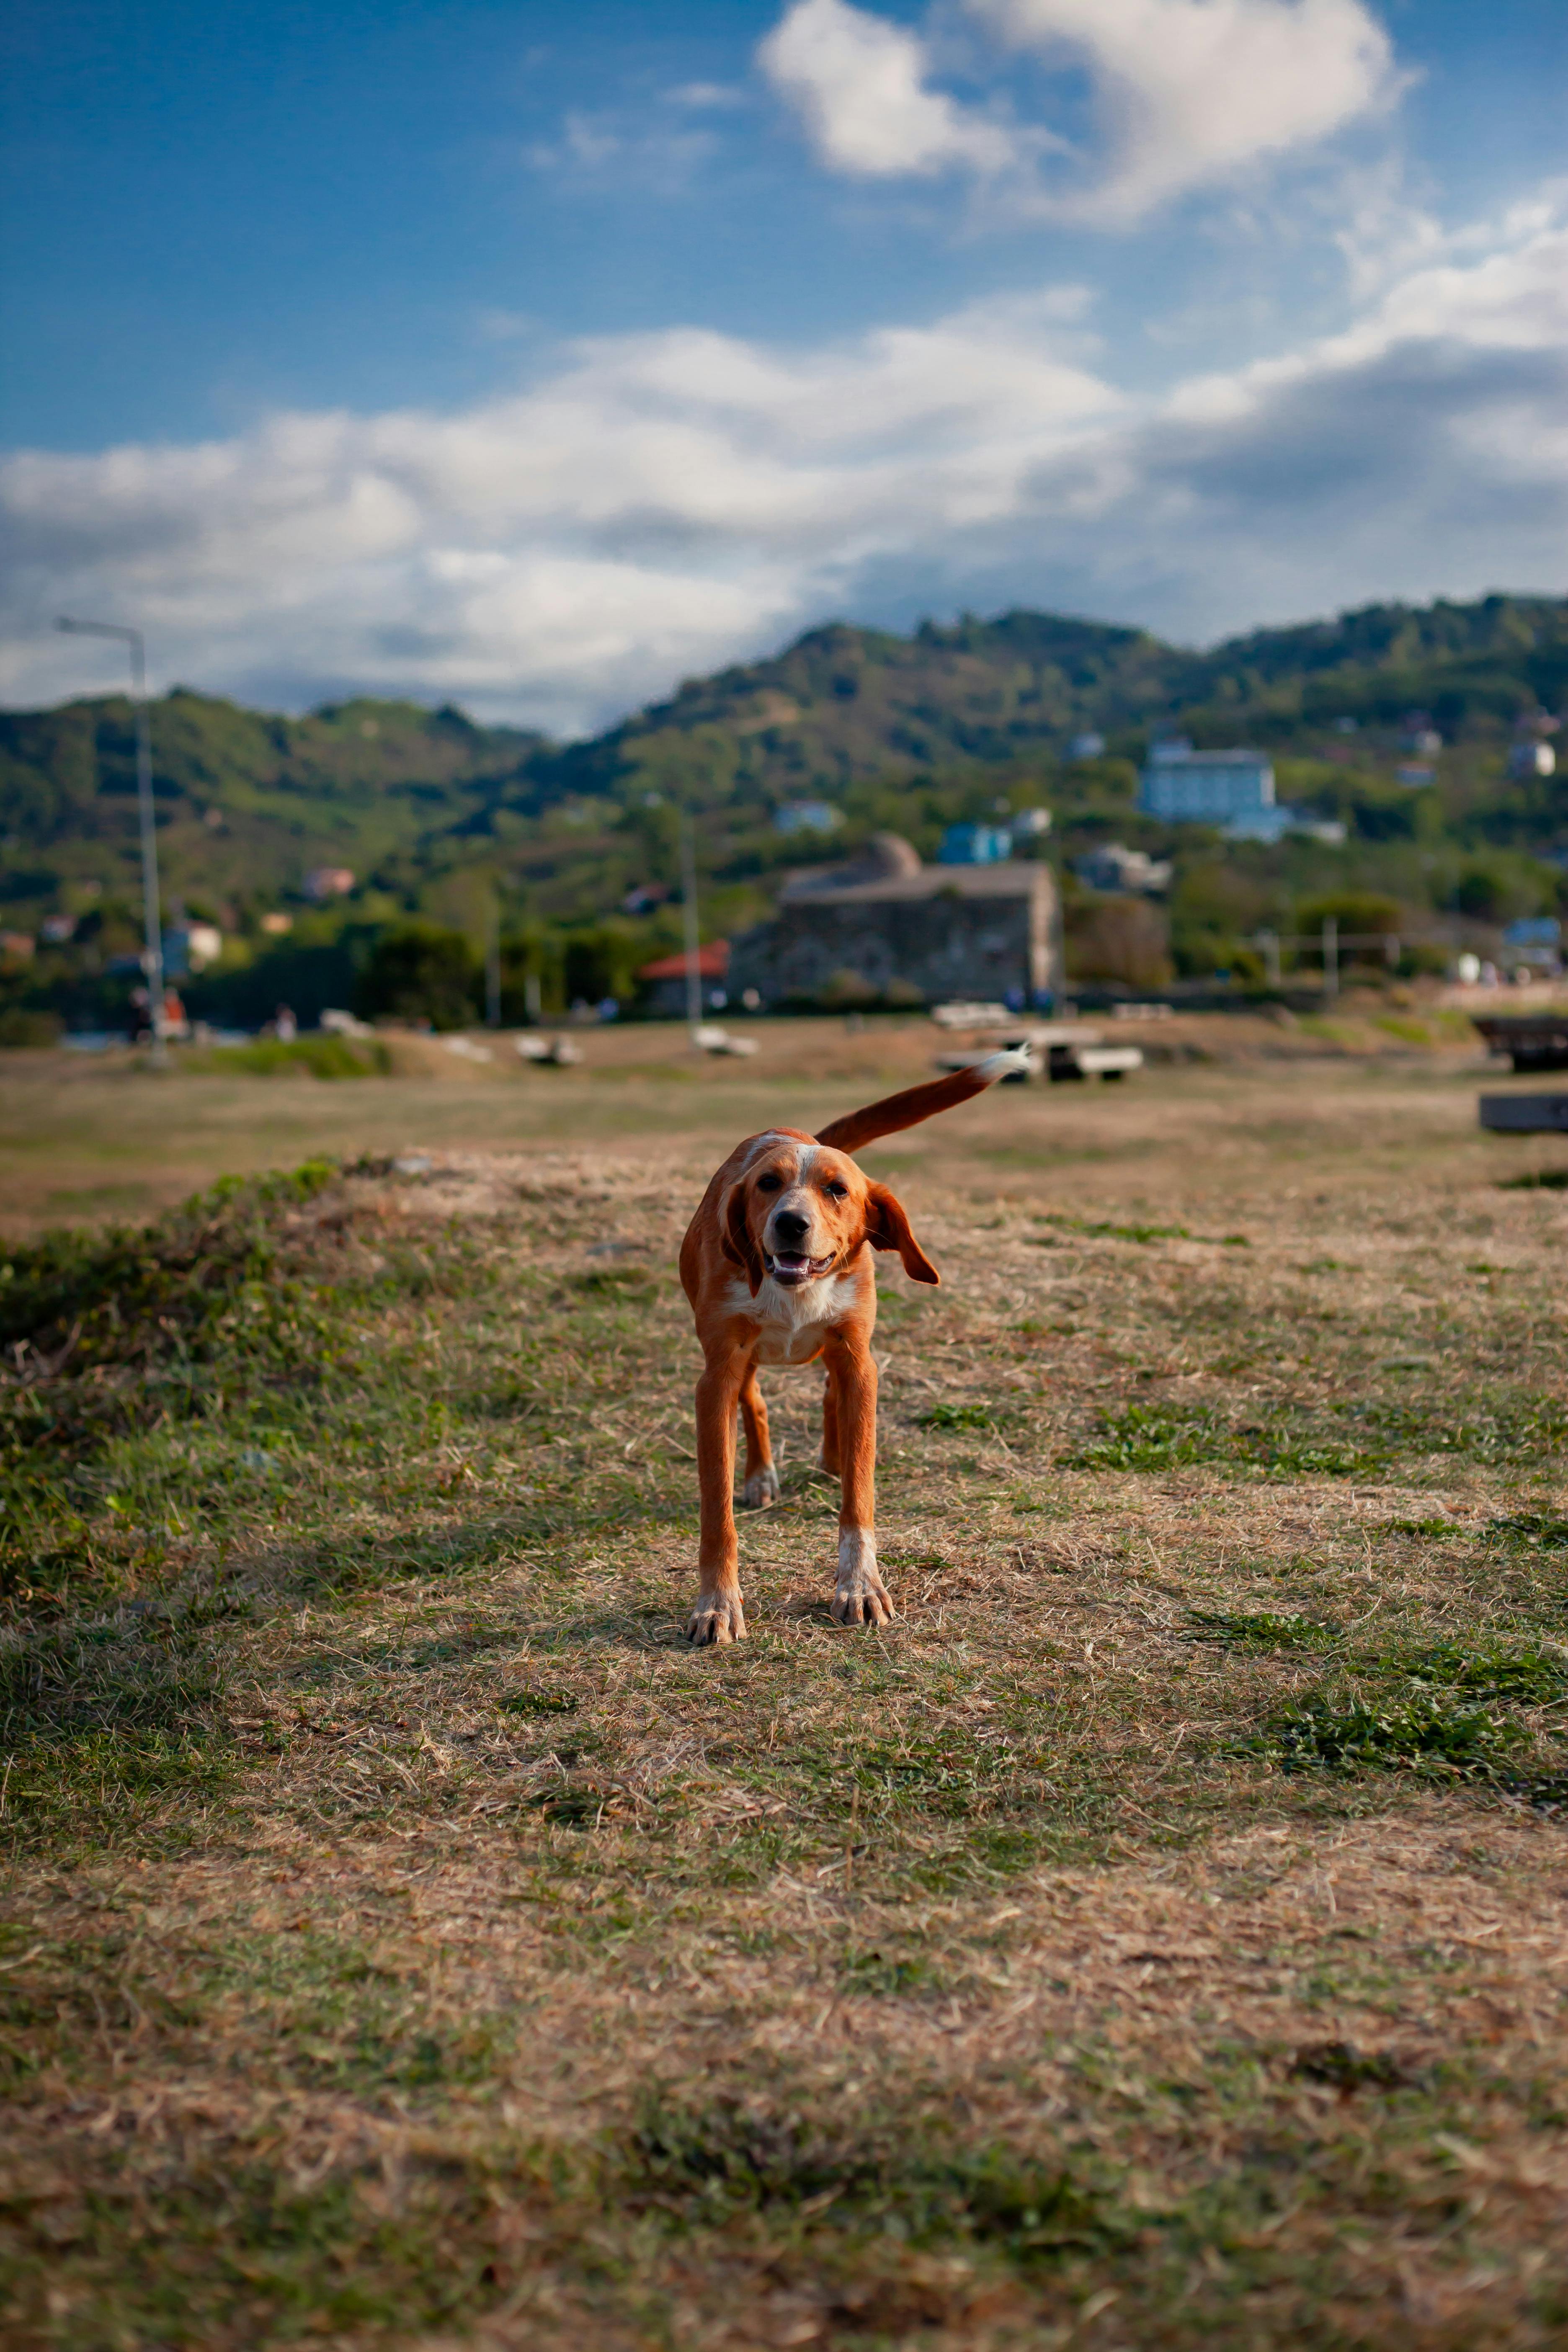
(860, 1598)
(718, 1616)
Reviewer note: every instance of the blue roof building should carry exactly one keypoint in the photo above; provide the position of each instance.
(974, 845)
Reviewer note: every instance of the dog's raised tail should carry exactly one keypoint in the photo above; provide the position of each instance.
(908, 1110)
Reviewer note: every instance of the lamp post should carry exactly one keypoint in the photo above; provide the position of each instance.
(693, 952)
(152, 912)
(492, 957)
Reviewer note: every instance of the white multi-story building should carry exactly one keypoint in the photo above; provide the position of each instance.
(1234, 789)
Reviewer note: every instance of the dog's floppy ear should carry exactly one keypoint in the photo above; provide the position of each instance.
(887, 1228)
(735, 1236)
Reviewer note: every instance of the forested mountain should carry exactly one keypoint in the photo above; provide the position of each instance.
(843, 703)
(436, 816)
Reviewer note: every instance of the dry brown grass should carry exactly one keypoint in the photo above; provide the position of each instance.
(412, 1943)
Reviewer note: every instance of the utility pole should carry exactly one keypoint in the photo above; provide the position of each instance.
(493, 960)
(1330, 958)
(689, 896)
(151, 911)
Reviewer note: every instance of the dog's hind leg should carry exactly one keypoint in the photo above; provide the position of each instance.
(760, 1483)
(829, 1458)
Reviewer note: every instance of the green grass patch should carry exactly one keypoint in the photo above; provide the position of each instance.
(327, 1057)
(961, 1416)
(1153, 1438)
(538, 1703)
(1104, 1229)
(1535, 1531)
(1362, 1443)
(1530, 1677)
(1262, 1628)
(711, 2163)
(1422, 1734)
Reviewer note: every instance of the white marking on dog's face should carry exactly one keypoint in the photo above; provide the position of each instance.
(808, 1199)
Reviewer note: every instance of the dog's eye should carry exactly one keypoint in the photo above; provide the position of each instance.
(768, 1183)
(837, 1192)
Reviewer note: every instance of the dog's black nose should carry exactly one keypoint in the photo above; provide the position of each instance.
(789, 1225)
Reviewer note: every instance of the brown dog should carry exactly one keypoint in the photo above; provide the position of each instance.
(777, 1265)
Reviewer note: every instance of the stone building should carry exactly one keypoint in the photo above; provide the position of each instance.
(886, 925)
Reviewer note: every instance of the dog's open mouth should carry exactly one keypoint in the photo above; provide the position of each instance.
(793, 1266)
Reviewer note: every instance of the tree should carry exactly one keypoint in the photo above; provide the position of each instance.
(421, 973)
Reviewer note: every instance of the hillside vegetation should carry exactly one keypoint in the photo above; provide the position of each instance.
(435, 815)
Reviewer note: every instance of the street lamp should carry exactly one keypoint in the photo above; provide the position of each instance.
(689, 909)
(152, 913)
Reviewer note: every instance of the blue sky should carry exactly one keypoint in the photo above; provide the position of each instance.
(535, 358)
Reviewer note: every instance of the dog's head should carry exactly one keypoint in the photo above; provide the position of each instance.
(799, 1211)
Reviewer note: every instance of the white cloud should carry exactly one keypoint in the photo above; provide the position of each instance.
(1192, 90)
(656, 504)
(860, 85)
(622, 147)
(1184, 93)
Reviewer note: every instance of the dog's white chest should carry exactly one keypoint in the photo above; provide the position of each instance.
(792, 1324)
(781, 1344)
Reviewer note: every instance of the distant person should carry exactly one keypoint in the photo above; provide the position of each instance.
(174, 1022)
(140, 1015)
(285, 1028)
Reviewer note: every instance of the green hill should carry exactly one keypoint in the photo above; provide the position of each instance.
(433, 814)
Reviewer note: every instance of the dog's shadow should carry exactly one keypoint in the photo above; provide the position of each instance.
(649, 1628)
(659, 1628)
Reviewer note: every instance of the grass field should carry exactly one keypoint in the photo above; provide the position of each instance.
(1156, 1937)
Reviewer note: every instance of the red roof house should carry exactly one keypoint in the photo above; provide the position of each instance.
(665, 979)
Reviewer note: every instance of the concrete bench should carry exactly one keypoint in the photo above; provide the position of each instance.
(1525, 1114)
(1097, 1061)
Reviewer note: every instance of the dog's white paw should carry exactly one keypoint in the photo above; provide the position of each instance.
(717, 1618)
(861, 1598)
(761, 1489)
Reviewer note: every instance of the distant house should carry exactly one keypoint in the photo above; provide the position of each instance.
(56, 931)
(808, 816)
(664, 981)
(1087, 746)
(976, 845)
(324, 882)
(1131, 873)
(190, 947)
(17, 945)
(886, 926)
(1234, 789)
(1528, 760)
(1535, 939)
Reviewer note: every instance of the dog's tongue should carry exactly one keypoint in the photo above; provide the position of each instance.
(790, 1266)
